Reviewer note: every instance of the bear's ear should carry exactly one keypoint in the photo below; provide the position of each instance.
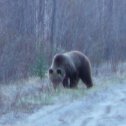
(59, 71)
(50, 71)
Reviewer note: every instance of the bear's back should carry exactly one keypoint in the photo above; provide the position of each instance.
(78, 58)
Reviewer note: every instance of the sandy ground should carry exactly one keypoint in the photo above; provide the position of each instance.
(104, 106)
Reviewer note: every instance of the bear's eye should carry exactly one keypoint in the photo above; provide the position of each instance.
(59, 71)
(50, 71)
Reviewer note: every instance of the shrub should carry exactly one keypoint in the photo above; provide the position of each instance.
(40, 66)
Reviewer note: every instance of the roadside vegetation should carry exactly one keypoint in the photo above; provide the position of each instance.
(29, 95)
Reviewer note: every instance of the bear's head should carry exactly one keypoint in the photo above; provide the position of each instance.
(57, 71)
(56, 75)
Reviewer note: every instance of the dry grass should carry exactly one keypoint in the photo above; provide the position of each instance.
(27, 96)
(24, 95)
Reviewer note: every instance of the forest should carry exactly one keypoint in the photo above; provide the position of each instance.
(33, 31)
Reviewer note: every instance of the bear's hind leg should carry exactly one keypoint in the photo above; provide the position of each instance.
(86, 78)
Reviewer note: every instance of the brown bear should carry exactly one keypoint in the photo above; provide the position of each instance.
(67, 68)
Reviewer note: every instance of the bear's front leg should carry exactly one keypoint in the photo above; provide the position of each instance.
(74, 81)
(66, 82)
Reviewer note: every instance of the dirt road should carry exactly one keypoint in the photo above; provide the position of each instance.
(100, 107)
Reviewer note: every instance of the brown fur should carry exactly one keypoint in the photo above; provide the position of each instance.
(68, 68)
